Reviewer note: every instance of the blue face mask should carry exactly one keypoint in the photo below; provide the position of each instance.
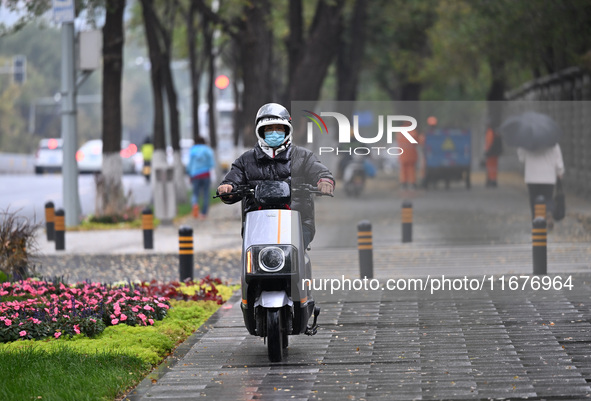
(274, 138)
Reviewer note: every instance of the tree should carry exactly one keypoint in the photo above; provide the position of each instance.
(110, 196)
(158, 37)
(308, 56)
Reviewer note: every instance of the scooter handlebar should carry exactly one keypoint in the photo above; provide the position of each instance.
(311, 189)
(245, 190)
(241, 190)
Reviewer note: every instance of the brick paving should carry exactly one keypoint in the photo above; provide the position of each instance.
(402, 345)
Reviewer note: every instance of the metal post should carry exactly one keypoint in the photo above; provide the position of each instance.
(50, 221)
(365, 245)
(406, 221)
(71, 197)
(148, 227)
(540, 207)
(186, 253)
(539, 235)
(60, 230)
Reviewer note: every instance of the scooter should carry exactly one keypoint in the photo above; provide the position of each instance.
(275, 301)
(354, 177)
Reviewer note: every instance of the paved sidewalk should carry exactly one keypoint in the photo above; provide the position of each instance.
(218, 231)
(402, 345)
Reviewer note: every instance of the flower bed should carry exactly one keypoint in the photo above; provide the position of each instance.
(32, 309)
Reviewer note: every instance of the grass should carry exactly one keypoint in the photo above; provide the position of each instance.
(102, 368)
(64, 374)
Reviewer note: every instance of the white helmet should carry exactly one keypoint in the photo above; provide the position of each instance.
(270, 114)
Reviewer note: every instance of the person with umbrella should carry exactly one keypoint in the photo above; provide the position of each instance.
(536, 137)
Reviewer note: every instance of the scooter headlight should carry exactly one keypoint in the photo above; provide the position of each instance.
(275, 259)
(271, 259)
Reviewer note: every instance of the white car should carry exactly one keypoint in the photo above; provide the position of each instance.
(90, 156)
(49, 156)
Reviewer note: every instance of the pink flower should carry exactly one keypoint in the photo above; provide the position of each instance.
(114, 321)
(22, 333)
(76, 329)
(123, 317)
(93, 320)
(135, 309)
(148, 307)
(57, 334)
(7, 322)
(151, 321)
(142, 316)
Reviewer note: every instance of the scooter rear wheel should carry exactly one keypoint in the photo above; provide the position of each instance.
(274, 335)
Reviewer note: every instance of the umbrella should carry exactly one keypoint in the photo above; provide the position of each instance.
(530, 130)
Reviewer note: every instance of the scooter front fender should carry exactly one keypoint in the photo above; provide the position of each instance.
(273, 299)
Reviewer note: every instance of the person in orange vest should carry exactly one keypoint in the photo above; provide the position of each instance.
(493, 149)
(408, 160)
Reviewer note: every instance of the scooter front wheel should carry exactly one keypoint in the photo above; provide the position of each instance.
(274, 335)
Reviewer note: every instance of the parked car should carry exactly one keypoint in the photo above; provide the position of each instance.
(90, 156)
(49, 156)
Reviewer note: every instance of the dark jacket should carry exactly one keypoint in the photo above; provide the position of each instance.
(296, 165)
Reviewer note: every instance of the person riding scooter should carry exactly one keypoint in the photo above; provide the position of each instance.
(275, 158)
(276, 181)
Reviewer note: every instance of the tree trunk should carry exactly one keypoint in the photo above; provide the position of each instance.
(194, 72)
(212, 107)
(295, 40)
(162, 203)
(256, 42)
(155, 75)
(180, 184)
(350, 54)
(109, 184)
(317, 55)
(496, 92)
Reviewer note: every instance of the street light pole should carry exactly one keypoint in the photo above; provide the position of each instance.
(68, 119)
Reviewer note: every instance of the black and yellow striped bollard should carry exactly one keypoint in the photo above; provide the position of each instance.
(365, 245)
(148, 228)
(60, 230)
(540, 207)
(186, 253)
(50, 221)
(539, 239)
(406, 221)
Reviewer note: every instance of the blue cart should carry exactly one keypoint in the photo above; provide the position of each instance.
(447, 156)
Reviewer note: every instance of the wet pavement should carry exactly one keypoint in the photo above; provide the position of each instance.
(400, 345)
(505, 338)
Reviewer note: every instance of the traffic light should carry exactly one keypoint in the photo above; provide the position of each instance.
(222, 82)
(19, 69)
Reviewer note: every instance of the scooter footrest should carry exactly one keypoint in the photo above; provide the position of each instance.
(311, 330)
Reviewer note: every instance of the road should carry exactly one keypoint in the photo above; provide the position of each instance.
(28, 193)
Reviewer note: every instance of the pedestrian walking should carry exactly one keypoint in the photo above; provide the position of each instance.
(147, 153)
(493, 149)
(201, 161)
(408, 160)
(542, 167)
